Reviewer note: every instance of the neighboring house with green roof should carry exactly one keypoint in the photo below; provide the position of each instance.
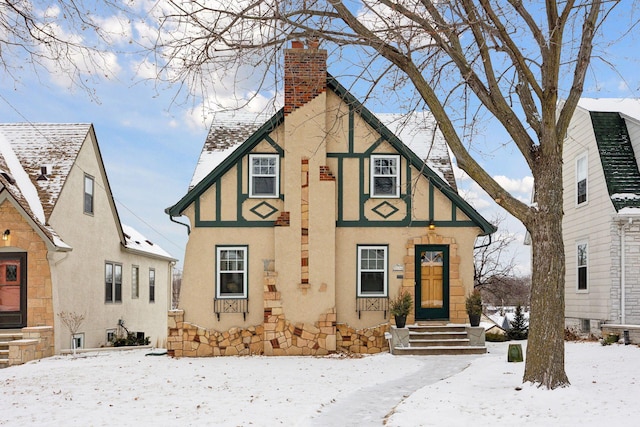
(304, 224)
(602, 216)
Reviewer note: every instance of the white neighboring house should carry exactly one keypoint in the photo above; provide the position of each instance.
(602, 217)
(63, 246)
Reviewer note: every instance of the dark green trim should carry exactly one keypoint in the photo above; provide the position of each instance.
(355, 107)
(258, 136)
(435, 179)
(340, 183)
(432, 313)
(617, 157)
(432, 201)
(387, 268)
(246, 271)
(351, 130)
(404, 223)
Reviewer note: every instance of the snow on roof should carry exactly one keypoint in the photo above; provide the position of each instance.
(627, 106)
(136, 241)
(416, 130)
(228, 131)
(27, 147)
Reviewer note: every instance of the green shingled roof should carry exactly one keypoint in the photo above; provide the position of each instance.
(618, 159)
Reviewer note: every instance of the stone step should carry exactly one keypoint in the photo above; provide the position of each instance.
(441, 350)
(438, 343)
(10, 336)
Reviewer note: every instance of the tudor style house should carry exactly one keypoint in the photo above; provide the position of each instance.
(63, 247)
(306, 223)
(602, 217)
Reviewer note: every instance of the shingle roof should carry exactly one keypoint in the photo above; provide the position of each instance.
(618, 159)
(416, 130)
(427, 148)
(43, 144)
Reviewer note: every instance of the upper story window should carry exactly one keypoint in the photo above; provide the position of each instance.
(113, 282)
(372, 271)
(88, 194)
(581, 179)
(582, 267)
(231, 279)
(152, 285)
(135, 281)
(264, 175)
(385, 176)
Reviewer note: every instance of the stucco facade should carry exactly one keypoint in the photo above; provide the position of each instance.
(306, 242)
(69, 237)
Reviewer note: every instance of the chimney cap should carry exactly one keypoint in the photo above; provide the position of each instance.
(297, 44)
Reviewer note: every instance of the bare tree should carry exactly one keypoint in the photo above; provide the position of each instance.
(521, 64)
(63, 39)
(176, 284)
(72, 321)
(493, 257)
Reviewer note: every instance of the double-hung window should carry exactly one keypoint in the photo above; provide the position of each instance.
(582, 267)
(113, 282)
(135, 282)
(264, 175)
(231, 277)
(581, 179)
(152, 285)
(372, 271)
(88, 194)
(385, 176)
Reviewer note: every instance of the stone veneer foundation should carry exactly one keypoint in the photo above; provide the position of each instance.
(277, 336)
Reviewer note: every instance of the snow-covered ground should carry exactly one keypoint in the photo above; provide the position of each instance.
(130, 388)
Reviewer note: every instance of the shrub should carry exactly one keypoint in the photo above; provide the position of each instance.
(519, 328)
(495, 337)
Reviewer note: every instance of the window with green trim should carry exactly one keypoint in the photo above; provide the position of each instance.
(264, 175)
(231, 277)
(385, 176)
(372, 271)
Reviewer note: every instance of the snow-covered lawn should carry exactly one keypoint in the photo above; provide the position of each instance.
(130, 388)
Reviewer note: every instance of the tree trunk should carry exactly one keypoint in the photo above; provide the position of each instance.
(545, 350)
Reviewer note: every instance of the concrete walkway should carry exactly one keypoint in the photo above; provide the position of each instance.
(369, 406)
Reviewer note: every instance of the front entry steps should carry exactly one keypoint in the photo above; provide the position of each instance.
(436, 339)
(7, 335)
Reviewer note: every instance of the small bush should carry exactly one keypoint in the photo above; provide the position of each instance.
(130, 340)
(495, 337)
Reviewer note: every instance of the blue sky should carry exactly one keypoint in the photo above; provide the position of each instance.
(150, 143)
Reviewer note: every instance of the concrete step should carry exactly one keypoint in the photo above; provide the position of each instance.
(439, 350)
(453, 335)
(439, 343)
(436, 328)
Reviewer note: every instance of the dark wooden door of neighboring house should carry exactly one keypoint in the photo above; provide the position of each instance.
(13, 290)
(432, 282)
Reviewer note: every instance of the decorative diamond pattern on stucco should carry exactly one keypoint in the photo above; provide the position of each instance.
(264, 210)
(385, 209)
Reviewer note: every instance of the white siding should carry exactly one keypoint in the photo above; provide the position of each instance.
(590, 222)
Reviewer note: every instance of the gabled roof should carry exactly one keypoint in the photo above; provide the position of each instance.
(25, 148)
(135, 242)
(425, 148)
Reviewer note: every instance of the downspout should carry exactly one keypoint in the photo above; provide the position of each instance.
(623, 272)
(181, 223)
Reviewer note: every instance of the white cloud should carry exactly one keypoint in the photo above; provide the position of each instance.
(515, 185)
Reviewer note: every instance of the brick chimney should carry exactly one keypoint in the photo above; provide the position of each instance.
(305, 73)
